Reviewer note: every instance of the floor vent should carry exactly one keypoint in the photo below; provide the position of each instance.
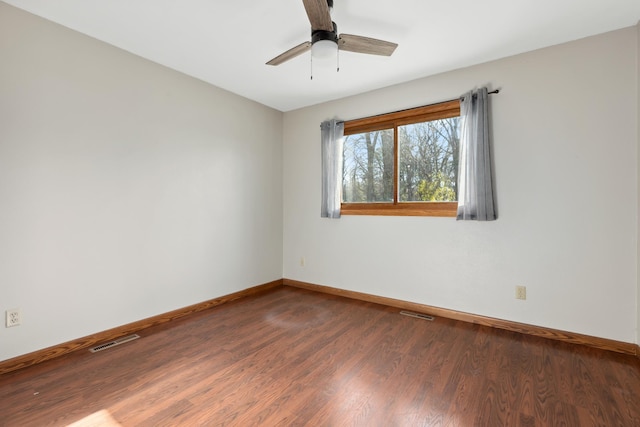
(114, 343)
(417, 315)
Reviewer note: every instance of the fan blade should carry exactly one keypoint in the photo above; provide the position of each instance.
(368, 45)
(319, 15)
(291, 53)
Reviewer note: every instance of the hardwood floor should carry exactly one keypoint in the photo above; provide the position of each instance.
(295, 357)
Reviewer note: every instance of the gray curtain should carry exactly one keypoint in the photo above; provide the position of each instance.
(475, 183)
(331, 137)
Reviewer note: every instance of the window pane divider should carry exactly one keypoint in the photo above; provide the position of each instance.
(396, 166)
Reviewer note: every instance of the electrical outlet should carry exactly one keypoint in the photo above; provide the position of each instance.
(521, 292)
(302, 262)
(13, 317)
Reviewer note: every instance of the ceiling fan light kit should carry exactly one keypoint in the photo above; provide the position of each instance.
(325, 41)
(324, 49)
(324, 44)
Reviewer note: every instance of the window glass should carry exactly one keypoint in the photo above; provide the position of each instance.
(428, 161)
(368, 167)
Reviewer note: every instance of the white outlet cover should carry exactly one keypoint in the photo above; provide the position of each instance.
(12, 317)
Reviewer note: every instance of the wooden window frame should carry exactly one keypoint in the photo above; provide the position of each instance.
(443, 110)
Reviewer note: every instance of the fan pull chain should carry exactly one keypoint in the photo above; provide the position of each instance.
(337, 63)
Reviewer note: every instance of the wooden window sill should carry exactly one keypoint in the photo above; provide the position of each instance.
(441, 209)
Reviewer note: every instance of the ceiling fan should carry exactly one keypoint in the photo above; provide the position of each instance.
(325, 38)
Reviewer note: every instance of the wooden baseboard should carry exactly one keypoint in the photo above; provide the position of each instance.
(571, 337)
(111, 334)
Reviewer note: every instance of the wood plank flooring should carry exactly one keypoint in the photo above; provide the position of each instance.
(292, 357)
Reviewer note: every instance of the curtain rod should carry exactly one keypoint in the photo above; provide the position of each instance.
(456, 99)
(488, 93)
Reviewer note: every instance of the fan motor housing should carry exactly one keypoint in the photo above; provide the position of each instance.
(317, 35)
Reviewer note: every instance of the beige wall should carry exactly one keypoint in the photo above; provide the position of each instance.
(565, 145)
(127, 189)
(638, 136)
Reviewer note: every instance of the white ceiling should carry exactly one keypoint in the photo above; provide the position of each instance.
(227, 43)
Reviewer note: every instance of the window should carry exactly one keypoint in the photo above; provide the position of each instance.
(402, 163)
